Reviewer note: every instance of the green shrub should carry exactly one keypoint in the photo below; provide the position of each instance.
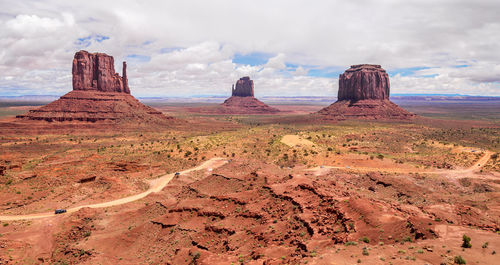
(459, 260)
(466, 242)
(365, 239)
(365, 252)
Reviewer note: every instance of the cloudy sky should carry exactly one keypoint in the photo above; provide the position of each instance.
(289, 48)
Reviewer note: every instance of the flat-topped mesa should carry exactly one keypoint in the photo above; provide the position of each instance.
(364, 94)
(96, 71)
(364, 81)
(244, 88)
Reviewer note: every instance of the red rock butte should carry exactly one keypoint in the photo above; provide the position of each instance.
(244, 88)
(99, 94)
(242, 100)
(364, 93)
(96, 71)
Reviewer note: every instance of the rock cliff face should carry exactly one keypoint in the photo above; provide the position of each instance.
(99, 94)
(96, 71)
(364, 94)
(244, 88)
(364, 81)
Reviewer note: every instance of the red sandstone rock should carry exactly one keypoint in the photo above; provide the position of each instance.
(96, 71)
(364, 81)
(364, 94)
(92, 106)
(370, 109)
(99, 94)
(245, 105)
(243, 101)
(244, 88)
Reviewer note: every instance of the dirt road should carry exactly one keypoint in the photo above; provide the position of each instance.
(156, 185)
(469, 172)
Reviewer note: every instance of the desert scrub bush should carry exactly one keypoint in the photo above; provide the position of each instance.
(350, 243)
(459, 260)
(365, 239)
(407, 239)
(365, 252)
(466, 242)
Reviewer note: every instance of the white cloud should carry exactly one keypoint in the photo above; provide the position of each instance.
(191, 43)
(277, 62)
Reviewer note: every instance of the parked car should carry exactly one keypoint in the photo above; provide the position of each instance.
(177, 174)
(59, 211)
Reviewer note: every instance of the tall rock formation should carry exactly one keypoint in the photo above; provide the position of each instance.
(364, 81)
(99, 94)
(364, 93)
(244, 88)
(96, 71)
(242, 100)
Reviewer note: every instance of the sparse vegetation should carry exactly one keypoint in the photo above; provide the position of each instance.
(459, 260)
(466, 242)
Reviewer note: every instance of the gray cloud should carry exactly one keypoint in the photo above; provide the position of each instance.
(189, 45)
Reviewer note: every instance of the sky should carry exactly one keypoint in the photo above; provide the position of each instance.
(288, 47)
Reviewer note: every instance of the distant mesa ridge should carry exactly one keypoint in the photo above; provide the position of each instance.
(364, 91)
(99, 94)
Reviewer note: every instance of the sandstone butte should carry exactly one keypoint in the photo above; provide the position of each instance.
(364, 94)
(242, 100)
(99, 94)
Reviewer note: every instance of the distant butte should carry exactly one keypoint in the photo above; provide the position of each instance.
(364, 94)
(244, 88)
(242, 100)
(99, 94)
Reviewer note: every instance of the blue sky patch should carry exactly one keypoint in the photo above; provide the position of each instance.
(406, 71)
(84, 42)
(429, 76)
(331, 72)
(253, 59)
(87, 41)
(101, 38)
(138, 58)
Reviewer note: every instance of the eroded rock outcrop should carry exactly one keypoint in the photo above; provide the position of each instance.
(99, 94)
(244, 88)
(364, 81)
(364, 93)
(96, 71)
(242, 100)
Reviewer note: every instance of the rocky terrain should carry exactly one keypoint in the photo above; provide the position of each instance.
(99, 94)
(364, 94)
(246, 189)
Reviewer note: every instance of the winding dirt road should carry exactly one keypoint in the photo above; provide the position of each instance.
(449, 172)
(156, 186)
